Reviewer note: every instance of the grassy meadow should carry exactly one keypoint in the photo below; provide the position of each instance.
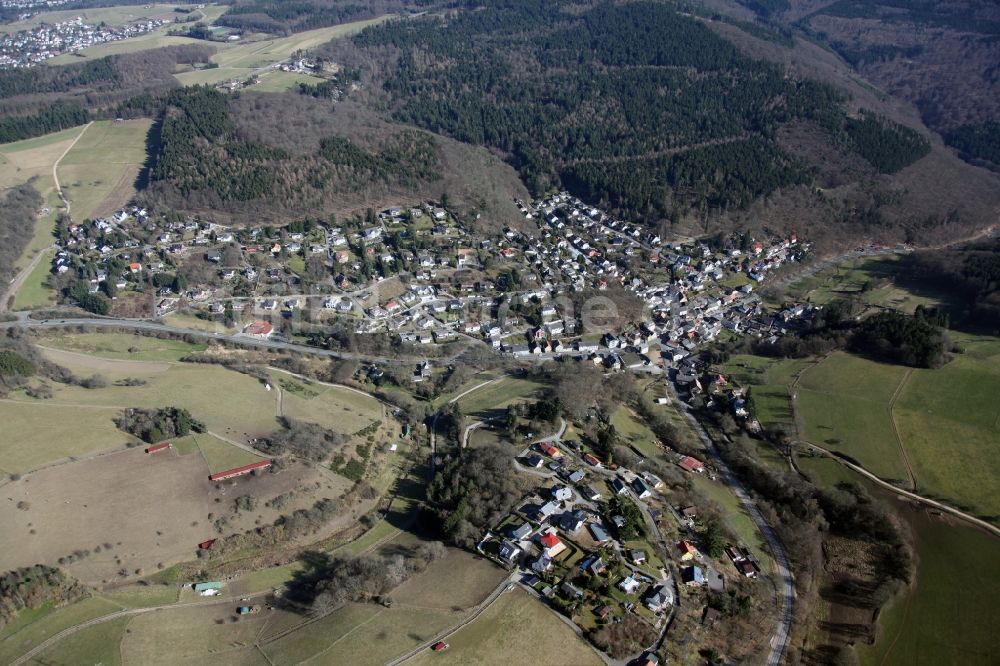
(843, 404)
(123, 346)
(949, 419)
(505, 629)
(99, 172)
(32, 160)
(496, 397)
(18, 638)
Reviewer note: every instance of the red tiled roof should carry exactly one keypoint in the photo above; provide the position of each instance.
(259, 328)
(550, 540)
(690, 464)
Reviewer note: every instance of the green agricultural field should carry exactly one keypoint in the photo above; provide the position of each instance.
(113, 16)
(498, 396)
(278, 81)
(221, 456)
(948, 616)
(192, 634)
(142, 596)
(229, 403)
(123, 346)
(51, 623)
(39, 433)
(949, 419)
(516, 620)
(99, 172)
(93, 645)
(336, 408)
(843, 405)
(33, 292)
(636, 433)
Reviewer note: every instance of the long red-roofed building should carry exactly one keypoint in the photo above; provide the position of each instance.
(239, 471)
(162, 446)
(690, 464)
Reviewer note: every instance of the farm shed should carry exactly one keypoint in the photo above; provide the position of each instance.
(162, 446)
(239, 471)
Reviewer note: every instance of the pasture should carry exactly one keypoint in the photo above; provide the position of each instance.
(949, 420)
(458, 580)
(278, 81)
(359, 634)
(113, 16)
(943, 423)
(152, 40)
(230, 404)
(843, 404)
(98, 174)
(242, 59)
(735, 516)
(333, 407)
(770, 379)
(34, 292)
(32, 160)
(490, 400)
(948, 614)
(134, 512)
(633, 431)
(32, 629)
(516, 620)
(220, 455)
(98, 644)
(124, 346)
(206, 631)
(40, 433)
(257, 54)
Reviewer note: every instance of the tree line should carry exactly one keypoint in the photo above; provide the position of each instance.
(51, 118)
(21, 205)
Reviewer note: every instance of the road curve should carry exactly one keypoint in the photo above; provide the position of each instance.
(978, 522)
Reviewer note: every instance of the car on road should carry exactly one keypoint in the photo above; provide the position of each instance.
(440, 646)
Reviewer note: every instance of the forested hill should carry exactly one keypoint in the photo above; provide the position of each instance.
(205, 160)
(632, 106)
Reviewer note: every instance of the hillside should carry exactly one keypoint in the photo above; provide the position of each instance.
(658, 116)
(282, 156)
(940, 57)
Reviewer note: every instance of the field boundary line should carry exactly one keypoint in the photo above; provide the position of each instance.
(979, 522)
(895, 430)
(349, 632)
